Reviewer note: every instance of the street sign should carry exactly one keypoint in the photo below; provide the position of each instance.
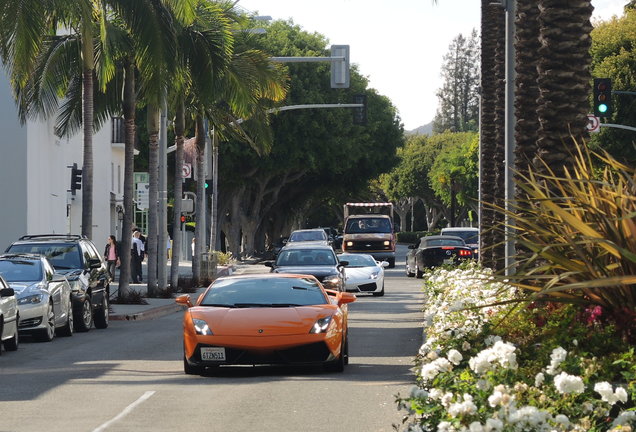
(142, 196)
(593, 123)
(186, 171)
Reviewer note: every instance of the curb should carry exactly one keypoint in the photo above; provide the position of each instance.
(149, 314)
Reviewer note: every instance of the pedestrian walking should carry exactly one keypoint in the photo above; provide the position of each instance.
(136, 257)
(111, 256)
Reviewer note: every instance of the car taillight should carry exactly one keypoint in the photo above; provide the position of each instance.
(464, 253)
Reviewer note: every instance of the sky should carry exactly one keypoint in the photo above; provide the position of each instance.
(397, 44)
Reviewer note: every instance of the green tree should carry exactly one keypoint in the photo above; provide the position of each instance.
(614, 55)
(458, 109)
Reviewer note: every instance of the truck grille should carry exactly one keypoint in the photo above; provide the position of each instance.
(368, 246)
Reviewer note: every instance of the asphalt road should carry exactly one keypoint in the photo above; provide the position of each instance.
(130, 377)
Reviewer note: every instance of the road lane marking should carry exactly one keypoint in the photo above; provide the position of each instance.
(125, 412)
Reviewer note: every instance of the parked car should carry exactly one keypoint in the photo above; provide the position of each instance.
(9, 316)
(44, 297)
(77, 258)
(364, 273)
(434, 251)
(468, 234)
(317, 235)
(318, 260)
(265, 319)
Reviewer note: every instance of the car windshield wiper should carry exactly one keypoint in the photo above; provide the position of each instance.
(286, 305)
(59, 267)
(219, 305)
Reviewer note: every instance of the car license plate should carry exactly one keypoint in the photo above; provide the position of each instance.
(213, 354)
(448, 261)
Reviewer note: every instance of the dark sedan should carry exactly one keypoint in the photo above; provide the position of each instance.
(434, 251)
(311, 259)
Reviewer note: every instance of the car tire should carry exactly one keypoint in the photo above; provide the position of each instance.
(409, 273)
(379, 293)
(47, 334)
(338, 365)
(391, 262)
(346, 350)
(190, 369)
(102, 313)
(67, 330)
(418, 273)
(12, 343)
(83, 319)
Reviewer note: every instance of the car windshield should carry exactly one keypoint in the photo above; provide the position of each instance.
(20, 270)
(368, 225)
(62, 256)
(299, 236)
(264, 292)
(470, 237)
(306, 257)
(355, 260)
(443, 242)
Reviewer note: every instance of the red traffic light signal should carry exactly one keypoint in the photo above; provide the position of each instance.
(183, 219)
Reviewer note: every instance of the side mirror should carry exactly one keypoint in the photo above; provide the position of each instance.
(343, 263)
(384, 264)
(7, 292)
(184, 300)
(345, 297)
(412, 246)
(285, 241)
(94, 263)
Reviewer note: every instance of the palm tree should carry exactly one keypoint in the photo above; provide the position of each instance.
(564, 79)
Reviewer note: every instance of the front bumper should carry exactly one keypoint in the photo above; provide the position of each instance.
(32, 317)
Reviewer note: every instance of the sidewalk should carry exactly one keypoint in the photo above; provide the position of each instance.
(156, 307)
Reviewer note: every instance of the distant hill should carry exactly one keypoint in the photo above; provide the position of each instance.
(427, 129)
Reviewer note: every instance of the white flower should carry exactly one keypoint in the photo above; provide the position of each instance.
(556, 358)
(454, 356)
(445, 427)
(435, 394)
(466, 346)
(625, 418)
(466, 407)
(501, 352)
(562, 419)
(490, 340)
(528, 415)
(538, 379)
(565, 383)
(607, 393)
(476, 427)
(446, 399)
(493, 425)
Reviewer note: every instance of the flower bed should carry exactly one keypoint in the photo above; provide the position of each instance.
(488, 364)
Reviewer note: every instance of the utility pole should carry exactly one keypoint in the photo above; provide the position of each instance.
(214, 205)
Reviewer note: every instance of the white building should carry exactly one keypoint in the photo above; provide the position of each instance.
(35, 177)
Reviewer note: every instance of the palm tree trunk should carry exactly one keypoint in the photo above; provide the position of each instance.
(179, 130)
(87, 162)
(153, 174)
(129, 105)
(564, 79)
(200, 229)
(492, 18)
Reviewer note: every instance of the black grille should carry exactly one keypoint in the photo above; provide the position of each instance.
(368, 287)
(311, 353)
(368, 246)
(31, 322)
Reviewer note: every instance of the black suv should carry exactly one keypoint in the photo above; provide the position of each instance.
(77, 258)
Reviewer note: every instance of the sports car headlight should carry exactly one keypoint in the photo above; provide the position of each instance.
(321, 325)
(31, 299)
(374, 275)
(201, 327)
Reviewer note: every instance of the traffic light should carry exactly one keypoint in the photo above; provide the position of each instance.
(76, 178)
(360, 113)
(602, 97)
(183, 221)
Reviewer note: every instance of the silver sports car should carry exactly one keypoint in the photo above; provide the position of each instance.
(364, 273)
(44, 297)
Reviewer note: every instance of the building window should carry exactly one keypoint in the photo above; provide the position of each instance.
(118, 131)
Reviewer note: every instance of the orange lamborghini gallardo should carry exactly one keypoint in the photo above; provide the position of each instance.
(265, 319)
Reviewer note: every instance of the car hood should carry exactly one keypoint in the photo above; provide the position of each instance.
(318, 271)
(260, 321)
(23, 288)
(356, 273)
